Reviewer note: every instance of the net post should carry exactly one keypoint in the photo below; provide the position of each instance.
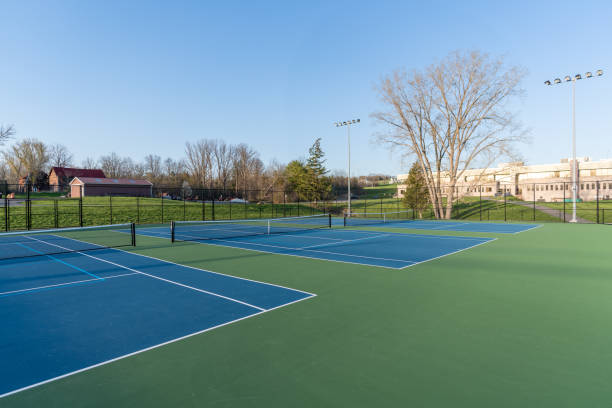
(345, 220)
(172, 231)
(133, 232)
(330, 220)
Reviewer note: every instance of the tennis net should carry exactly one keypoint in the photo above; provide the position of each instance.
(24, 244)
(210, 230)
(376, 218)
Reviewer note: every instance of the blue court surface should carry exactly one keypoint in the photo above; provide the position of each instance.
(380, 249)
(441, 225)
(68, 312)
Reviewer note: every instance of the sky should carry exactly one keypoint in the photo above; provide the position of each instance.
(144, 77)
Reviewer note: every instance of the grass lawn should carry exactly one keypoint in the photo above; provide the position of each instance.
(522, 321)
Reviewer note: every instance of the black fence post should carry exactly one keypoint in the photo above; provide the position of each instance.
(480, 200)
(81, 206)
(563, 201)
(534, 201)
(213, 209)
(505, 216)
(28, 209)
(284, 204)
(6, 213)
(597, 198)
(55, 214)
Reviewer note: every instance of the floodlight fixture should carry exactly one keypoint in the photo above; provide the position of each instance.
(348, 124)
(574, 165)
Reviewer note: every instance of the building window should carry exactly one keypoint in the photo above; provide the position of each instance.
(587, 186)
(582, 186)
(556, 187)
(593, 186)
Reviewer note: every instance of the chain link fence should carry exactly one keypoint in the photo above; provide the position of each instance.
(23, 207)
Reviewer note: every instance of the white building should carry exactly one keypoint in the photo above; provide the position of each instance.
(540, 182)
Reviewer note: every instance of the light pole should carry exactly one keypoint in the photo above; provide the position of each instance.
(348, 124)
(573, 80)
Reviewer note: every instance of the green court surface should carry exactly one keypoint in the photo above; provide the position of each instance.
(523, 321)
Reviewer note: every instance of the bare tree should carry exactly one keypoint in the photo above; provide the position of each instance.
(245, 163)
(450, 116)
(60, 156)
(6, 132)
(174, 171)
(29, 158)
(199, 161)
(112, 165)
(222, 154)
(153, 168)
(89, 163)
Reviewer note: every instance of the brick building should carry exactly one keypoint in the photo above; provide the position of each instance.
(100, 186)
(541, 182)
(62, 176)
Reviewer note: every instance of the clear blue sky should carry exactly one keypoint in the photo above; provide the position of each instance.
(139, 77)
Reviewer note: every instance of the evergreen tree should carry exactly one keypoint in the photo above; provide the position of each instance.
(317, 173)
(416, 195)
(298, 179)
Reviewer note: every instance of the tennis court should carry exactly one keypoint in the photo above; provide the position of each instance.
(403, 219)
(312, 237)
(67, 304)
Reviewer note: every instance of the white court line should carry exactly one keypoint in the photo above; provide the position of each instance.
(194, 268)
(157, 277)
(529, 229)
(67, 283)
(344, 241)
(451, 253)
(312, 250)
(451, 237)
(411, 263)
(148, 348)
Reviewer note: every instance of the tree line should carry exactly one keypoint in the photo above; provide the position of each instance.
(207, 163)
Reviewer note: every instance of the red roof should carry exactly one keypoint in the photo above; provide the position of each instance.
(70, 172)
(110, 181)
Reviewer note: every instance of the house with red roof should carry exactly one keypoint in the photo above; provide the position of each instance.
(100, 186)
(62, 176)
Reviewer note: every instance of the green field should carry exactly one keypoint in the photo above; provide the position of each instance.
(522, 321)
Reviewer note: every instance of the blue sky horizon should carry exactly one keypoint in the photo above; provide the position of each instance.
(145, 77)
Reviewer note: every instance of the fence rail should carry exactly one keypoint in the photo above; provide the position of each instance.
(26, 209)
